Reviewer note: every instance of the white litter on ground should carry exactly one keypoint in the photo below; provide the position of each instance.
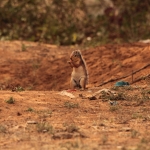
(65, 93)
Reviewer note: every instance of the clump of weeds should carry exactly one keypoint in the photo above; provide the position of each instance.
(145, 95)
(72, 128)
(114, 108)
(134, 134)
(18, 89)
(44, 127)
(11, 100)
(136, 116)
(104, 139)
(3, 129)
(70, 145)
(116, 96)
(23, 47)
(44, 113)
(30, 109)
(70, 105)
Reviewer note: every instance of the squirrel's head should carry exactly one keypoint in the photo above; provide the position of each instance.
(75, 55)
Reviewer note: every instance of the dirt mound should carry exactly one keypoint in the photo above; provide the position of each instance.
(44, 67)
(98, 118)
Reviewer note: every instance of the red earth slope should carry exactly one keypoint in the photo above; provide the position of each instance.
(44, 67)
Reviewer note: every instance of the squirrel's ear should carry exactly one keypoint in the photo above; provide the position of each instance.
(79, 51)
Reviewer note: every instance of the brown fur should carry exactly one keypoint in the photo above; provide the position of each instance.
(79, 74)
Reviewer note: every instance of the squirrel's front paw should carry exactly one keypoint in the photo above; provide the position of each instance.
(69, 62)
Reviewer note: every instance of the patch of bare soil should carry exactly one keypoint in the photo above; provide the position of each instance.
(37, 112)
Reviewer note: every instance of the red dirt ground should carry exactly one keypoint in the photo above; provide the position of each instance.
(78, 123)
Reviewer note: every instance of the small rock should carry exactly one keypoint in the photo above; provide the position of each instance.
(92, 98)
(65, 93)
(31, 122)
(126, 129)
(19, 114)
(62, 135)
(83, 134)
(80, 95)
(113, 103)
(44, 131)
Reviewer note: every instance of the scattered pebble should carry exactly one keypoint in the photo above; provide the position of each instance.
(31, 122)
(19, 114)
(62, 135)
(113, 103)
(65, 93)
(126, 129)
(92, 98)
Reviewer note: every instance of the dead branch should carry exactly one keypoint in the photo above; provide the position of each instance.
(134, 72)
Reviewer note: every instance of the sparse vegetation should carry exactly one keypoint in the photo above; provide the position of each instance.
(11, 100)
(3, 129)
(71, 145)
(44, 119)
(44, 113)
(72, 128)
(36, 64)
(145, 95)
(144, 140)
(18, 89)
(136, 116)
(116, 88)
(30, 109)
(134, 134)
(104, 139)
(70, 105)
(119, 96)
(24, 48)
(130, 88)
(123, 88)
(89, 120)
(148, 80)
(114, 108)
(111, 96)
(44, 127)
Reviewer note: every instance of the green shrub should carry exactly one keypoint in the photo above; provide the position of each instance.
(68, 22)
(11, 100)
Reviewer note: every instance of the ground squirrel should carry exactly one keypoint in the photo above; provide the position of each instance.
(79, 76)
